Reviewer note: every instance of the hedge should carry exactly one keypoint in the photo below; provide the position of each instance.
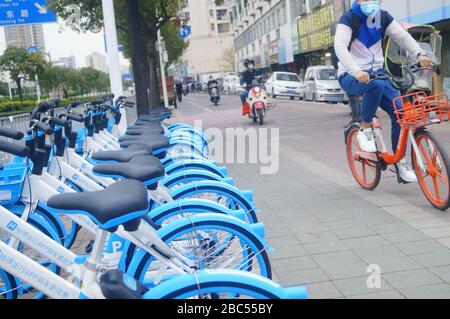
(14, 108)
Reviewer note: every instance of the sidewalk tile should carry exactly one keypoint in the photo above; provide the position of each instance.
(302, 277)
(439, 291)
(411, 278)
(358, 286)
(322, 290)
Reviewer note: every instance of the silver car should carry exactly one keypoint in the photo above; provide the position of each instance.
(322, 85)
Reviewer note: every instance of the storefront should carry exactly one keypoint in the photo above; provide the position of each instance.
(315, 38)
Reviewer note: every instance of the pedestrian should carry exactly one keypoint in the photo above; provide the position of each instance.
(179, 89)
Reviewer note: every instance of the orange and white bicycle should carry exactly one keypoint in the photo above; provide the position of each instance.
(415, 112)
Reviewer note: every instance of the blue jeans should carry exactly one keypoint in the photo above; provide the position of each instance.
(244, 96)
(377, 93)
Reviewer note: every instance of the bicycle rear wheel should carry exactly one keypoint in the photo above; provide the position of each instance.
(219, 284)
(434, 182)
(366, 172)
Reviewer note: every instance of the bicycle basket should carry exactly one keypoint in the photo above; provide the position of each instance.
(12, 178)
(419, 110)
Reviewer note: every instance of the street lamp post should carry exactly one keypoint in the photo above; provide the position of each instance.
(163, 69)
(36, 78)
(112, 47)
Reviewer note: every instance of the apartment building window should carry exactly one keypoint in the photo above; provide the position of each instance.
(223, 27)
(213, 27)
(277, 34)
(211, 13)
(315, 4)
(221, 14)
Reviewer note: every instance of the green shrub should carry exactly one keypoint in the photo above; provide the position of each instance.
(13, 108)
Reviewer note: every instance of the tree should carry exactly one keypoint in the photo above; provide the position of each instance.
(175, 45)
(4, 89)
(21, 65)
(138, 22)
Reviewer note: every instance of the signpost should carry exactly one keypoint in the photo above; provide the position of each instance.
(16, 12)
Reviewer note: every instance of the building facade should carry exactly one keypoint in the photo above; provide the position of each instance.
(25, 36)
(284, 35)
(261, 31)
(210, 43)
(97, 61)
(66, 62)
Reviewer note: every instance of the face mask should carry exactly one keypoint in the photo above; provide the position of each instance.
(251, 66)
(369, 8)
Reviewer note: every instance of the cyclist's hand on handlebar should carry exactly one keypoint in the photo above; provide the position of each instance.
(362, 77)
(424, 61)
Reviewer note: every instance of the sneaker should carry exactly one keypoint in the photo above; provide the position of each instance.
(405, 172)
(366, 140)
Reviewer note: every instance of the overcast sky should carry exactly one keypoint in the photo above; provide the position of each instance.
(65, 42)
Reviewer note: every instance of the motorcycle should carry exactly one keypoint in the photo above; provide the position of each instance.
(214, 94)
(257, 102)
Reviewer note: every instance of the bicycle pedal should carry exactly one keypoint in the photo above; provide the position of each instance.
(89, 247)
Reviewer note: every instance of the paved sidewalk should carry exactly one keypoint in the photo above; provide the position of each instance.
(325, 230)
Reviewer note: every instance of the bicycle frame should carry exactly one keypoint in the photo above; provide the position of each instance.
(388, 158)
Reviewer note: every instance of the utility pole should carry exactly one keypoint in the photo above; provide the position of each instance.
(36, 78)
(112, 47)
(163, 69)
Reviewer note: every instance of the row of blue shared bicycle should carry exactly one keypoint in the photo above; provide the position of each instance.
(166, 222)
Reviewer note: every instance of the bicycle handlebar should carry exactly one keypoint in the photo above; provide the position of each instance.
(14, 149)
(42, 127)
(75, 117)
(11, 133)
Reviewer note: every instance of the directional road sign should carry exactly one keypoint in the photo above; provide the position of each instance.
(14, 12)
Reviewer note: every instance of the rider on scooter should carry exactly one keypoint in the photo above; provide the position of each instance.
(358, 46)
(247, 78)
(211, 82)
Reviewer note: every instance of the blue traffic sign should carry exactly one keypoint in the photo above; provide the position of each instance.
(15, 12)
(185, 31)
(32, 50)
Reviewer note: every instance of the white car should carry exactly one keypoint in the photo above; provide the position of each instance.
(322, 85)
(285, 84)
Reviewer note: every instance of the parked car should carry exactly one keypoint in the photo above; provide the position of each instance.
(322, 85)
(172, 96)
(285, 84)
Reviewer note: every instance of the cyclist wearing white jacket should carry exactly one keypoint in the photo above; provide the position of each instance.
(358, 46)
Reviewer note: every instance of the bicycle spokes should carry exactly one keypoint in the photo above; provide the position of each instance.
(433, 178)
(365, 169)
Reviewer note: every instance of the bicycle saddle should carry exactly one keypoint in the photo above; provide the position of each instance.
(144, 130)
(145, 123)
(122, 203)
(144, 168)
(155, 142)
(122, 155)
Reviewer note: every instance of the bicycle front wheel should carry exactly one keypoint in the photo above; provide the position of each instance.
(433, 179)
(366, 172)
(208, 241)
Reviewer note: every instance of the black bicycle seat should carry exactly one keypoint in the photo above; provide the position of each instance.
(122, 203)
(158, 143)
(122, 155)
(144, 168)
